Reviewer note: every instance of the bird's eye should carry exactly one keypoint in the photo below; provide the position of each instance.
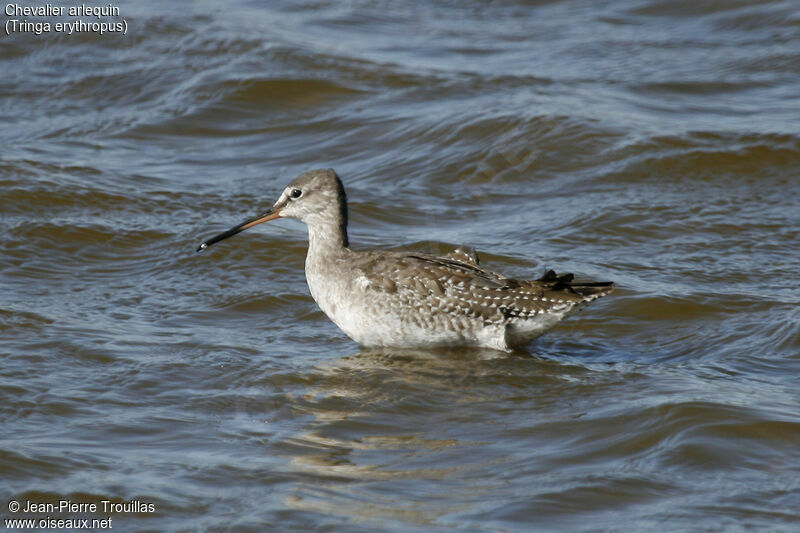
(296, 193)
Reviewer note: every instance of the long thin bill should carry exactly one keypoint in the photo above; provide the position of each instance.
(264, 217)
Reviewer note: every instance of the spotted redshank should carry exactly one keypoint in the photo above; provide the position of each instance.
(409, 299)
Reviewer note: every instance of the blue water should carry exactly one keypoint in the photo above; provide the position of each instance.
(650, 143)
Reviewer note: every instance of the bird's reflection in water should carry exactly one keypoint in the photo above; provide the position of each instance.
(396, 419)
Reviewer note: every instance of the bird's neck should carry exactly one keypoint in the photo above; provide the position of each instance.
(327, 237)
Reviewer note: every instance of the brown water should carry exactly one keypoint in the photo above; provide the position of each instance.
(653, 143)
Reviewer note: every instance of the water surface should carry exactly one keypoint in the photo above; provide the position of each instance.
(651, 143)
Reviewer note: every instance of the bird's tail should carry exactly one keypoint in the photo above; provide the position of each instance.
(589, 290)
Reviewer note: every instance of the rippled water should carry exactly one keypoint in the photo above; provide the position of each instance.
(653, 143)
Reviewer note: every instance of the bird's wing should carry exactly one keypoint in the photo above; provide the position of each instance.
(465, 288)
(464, 255)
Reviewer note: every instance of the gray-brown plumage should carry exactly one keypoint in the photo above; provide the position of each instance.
(404, 299)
